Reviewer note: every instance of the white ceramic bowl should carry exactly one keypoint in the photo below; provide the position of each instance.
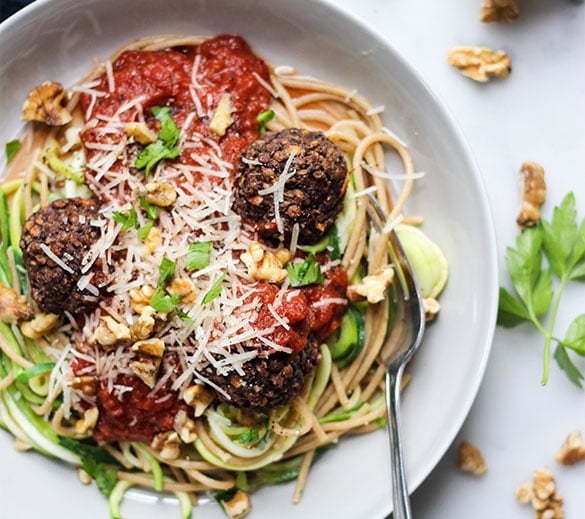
(58, 39)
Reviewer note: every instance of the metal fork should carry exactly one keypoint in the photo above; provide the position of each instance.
(403, 339)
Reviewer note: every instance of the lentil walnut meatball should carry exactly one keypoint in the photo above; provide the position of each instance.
(268, 382)
(64, 227)
(313, 189)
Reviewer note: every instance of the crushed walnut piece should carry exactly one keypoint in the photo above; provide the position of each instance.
(85, 424)
(185, 287)
(470, 459)
(431, 307)
(152, 241)
(479, 63)
(237, 506)
(39, 325)
(46, 104)
(499, 11)
(572, 451)
(533, 189)
(199, 398)
(542, 494)
(161, 194)
(140, 131)
(168, 444)
(222, 118)
(13, 307)
(150, 353)
(110, 332)
(264, 265)
(372, 287)
(140, 297)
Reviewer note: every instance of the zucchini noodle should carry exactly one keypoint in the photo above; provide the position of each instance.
(224, 449)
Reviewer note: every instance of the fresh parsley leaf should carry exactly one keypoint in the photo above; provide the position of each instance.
(163, 302)
(215, 290)
(165, 147)
(144, 231)
(559, 235)
(151, 210)
(12, 148)
(575, 336)
(166, 271)
(305, 273)
(250, 436)
(128, 219)
(199, 255)
(169, 133)
(566, 364)
(263, 118)
(561, 242)
(511, 312)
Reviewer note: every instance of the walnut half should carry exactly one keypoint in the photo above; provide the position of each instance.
(479, 63)
(46, 104)
(572, 451)
(499, 11)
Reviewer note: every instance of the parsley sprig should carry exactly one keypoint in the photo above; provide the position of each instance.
(562, 243)
(305, 273)
(165, 147)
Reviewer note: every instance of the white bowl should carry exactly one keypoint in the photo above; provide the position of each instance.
(58, 39)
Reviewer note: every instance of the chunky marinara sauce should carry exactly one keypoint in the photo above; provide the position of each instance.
(225, 65)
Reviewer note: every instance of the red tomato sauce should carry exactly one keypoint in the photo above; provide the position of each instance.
(226, 64)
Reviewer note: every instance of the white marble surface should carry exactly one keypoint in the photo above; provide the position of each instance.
(538, 113)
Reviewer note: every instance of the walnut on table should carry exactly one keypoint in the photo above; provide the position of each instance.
(470, 459)
(541, 492)
(499, 11)
(533, 189)
(479, 63)
(572, 451)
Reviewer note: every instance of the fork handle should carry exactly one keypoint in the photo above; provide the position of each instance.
(400, 497)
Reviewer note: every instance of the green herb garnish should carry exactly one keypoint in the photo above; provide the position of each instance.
(128, 219)
(263, 118)
(562, 242)
(165, 147)
(305, 273)
(215, 290)
(166, 271)
(144, 231)
(151, 210)
(199, 255)
(163, 302)
(12, 148)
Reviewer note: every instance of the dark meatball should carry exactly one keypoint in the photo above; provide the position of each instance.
(268, 382)
(64, 227)
(313, 191)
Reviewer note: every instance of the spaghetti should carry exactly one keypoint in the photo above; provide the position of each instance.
(173, 311)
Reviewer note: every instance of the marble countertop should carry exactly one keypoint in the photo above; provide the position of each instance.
(538, 114)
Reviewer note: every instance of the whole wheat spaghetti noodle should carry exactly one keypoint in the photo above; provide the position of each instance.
(174, 306)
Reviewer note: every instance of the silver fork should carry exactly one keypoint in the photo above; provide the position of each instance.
(404, 337)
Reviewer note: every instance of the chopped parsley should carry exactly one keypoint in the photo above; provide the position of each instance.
(163, 302)
(165, 147)
(166, 271)
(144, 231)
(128, 219)
(199, 255)
(151, 210)
(12, 148)
(305, 273)
(249, 436)
(105, 478)
(215, 290)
